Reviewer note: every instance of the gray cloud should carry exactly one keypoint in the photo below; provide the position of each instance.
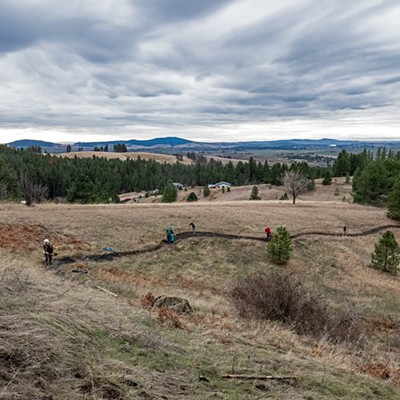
(136, 69)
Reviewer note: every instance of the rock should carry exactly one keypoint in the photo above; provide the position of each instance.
(176, 304)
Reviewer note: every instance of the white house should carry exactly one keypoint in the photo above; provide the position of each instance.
(220, 185)
(178, 186)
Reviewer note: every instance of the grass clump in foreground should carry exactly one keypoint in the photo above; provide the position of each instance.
(276, 296)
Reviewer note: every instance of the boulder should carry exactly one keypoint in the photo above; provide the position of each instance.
(176, 304)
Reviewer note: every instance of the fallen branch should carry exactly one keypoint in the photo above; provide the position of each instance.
(107, 291)
(258, 377)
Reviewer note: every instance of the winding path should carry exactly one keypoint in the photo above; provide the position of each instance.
(185, 235)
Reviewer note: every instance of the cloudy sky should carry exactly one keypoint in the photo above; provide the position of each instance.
(211, 70)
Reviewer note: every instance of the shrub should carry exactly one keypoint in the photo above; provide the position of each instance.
(336, 192)
(192, 197)
(284, 197)
(280, 246)
(386, 256)
(206, 191)
(286, 299)
(228, 189)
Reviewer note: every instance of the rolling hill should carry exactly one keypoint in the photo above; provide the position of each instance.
(87, 328)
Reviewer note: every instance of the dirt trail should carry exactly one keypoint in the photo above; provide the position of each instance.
(187, 235)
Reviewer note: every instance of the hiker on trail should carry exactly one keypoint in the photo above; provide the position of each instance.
(170, 235)
(268, 233)
(344, 230)
(193, 226)
(48, 252)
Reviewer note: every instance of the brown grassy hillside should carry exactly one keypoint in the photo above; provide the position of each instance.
(124, 156)
(338, 192)
(63, 337)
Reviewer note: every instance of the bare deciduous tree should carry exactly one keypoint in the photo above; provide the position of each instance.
(295, 183)
(33, 192)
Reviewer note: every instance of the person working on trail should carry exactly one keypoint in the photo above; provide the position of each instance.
(48, 252)
(170, 235)
(268, 233)
(193, 226)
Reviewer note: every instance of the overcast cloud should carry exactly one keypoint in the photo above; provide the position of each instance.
(213, 70)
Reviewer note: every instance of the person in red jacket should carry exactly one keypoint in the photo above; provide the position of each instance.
(268, 233)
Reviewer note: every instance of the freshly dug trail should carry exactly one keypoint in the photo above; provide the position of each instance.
(187, 235)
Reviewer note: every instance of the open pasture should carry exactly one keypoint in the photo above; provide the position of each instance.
(60, 329)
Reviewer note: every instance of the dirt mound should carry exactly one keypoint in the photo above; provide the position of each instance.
(29, 237)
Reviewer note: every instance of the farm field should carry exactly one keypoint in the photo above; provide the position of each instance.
(125, 156)
(85, 329)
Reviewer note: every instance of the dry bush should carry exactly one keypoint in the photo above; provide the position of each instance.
(284, 298)
(147, 301)
(170, 318)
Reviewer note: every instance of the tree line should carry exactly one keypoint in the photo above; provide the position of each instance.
(98, 179)
(376, 177)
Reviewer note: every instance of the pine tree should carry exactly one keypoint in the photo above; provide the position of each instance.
(254, 193)
(192, 197)
(82, 190)
(386, 256)
(327, 178)
(280, 247)
(393, 203)
(170, 193)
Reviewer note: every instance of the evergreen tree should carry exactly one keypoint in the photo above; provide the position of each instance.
(341, 166)
(9, 187)
(254, 193)
(170, 193)
(206, 191)
(120, 148)
(284, 197)
(82, 190)
(192, 197)
(386, 256)
(373, 184)
(327, 178)
(280, 246)
(393, 203)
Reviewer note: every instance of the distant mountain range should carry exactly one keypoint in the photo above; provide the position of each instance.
(175, 144)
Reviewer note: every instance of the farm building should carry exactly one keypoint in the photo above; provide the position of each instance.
(219, 185)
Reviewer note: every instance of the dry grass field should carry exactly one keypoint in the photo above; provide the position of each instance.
(338, 192)
(124, 156)
(63, 337)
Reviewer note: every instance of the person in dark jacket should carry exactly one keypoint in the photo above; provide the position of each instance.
(48, 252)
(193, 226)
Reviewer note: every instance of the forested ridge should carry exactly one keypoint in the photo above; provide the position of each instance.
(376, 177)
(105, 178)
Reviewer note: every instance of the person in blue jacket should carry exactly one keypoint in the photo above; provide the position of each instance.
(170, 235)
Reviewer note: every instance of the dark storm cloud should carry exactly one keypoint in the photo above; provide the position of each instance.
(166, 65)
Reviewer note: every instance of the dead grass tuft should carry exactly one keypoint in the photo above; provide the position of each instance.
(170, 319)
